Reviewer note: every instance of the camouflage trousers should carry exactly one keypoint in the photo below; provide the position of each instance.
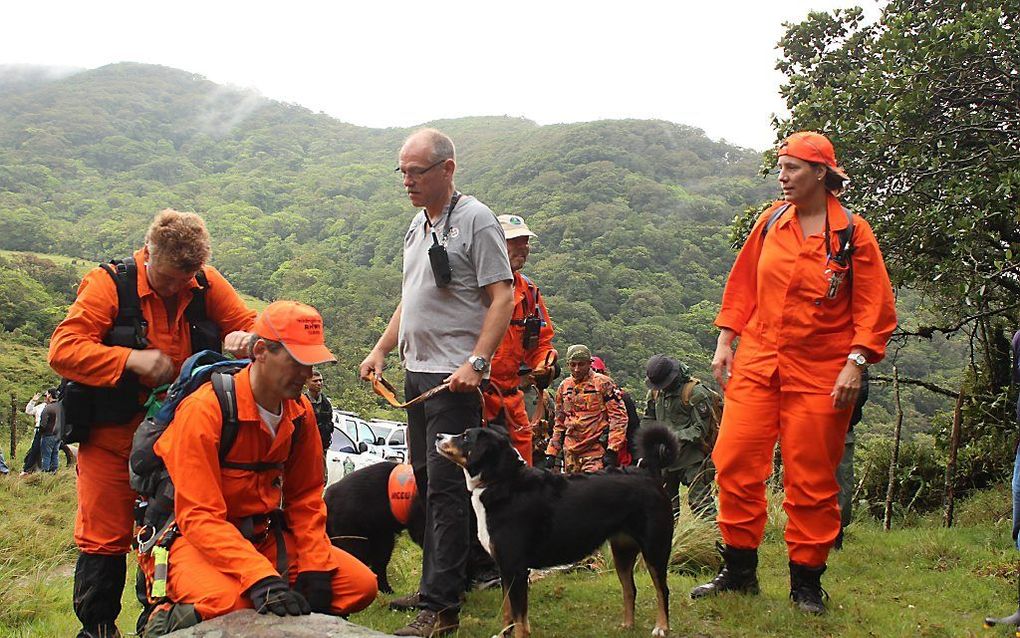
(698, 477)
(586, 461)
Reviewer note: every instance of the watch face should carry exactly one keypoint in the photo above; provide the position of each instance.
(478, 364)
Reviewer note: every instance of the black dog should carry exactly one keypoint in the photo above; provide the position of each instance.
(534, 518)
(359, 519)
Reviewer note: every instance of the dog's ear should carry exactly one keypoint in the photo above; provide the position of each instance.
(499, 428)
(474, 447)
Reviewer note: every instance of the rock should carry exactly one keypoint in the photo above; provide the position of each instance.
(246, 623)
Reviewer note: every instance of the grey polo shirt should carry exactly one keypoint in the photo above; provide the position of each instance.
(439, 327)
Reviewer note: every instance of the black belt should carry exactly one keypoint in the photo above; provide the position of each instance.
(274, 523)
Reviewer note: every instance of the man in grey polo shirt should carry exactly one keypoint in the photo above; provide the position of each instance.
(447, 325)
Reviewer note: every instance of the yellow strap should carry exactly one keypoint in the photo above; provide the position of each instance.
(161, 556)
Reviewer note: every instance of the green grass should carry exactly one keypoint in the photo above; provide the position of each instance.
(922, 580)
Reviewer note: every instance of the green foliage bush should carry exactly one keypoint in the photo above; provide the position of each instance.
(919, 479)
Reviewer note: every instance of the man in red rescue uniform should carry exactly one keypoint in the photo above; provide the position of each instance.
(213, 567)
(527, 343)
(177, 248)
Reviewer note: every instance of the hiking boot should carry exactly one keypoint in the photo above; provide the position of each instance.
(739, 573)
(431, 624)
(169, 617)
(806, 588)
(406, 603)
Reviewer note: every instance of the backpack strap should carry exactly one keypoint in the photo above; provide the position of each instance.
(223, 387)
(773, 218)
(205, 333)
(530, 303)
(687, 391)
(195, 311)
(129, 326)
(846, 241)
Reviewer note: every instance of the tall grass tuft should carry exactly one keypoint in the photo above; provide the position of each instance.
(36, 543)
(694, 540)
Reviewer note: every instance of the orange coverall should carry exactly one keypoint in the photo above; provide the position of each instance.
(105, 517)
(793, 344)
(211, 564)
(503, 392)
(585, 412)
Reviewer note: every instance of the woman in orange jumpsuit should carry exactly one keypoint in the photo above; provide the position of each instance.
(812, 310)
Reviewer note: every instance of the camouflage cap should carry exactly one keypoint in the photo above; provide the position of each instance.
(578, 352)
(514, 227)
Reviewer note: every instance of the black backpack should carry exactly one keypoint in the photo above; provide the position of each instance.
(85, 405)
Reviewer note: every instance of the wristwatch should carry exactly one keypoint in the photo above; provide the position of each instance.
(859, 359)
(478, 363)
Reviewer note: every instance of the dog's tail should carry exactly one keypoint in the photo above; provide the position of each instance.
(659, 447)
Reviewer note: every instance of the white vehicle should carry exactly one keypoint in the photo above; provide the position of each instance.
(345, 456)
(392, 439)
(353, 426)
(387, 439)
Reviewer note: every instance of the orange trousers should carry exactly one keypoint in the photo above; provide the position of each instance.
(515, 417)
(811, 434)
(191, 579)
(104, 521)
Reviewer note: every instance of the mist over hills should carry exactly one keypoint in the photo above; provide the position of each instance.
(632, 215)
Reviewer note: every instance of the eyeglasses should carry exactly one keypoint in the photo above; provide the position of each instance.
(417, 172)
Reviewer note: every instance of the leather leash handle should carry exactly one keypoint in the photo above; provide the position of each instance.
(385, 389)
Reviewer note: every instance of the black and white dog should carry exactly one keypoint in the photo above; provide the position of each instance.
(529, 518)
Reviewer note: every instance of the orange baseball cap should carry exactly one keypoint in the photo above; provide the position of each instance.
(298, 327)
(812, 147)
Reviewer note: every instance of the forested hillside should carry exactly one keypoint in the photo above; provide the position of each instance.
(633, 216)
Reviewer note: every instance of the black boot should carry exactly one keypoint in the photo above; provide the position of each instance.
(98, 585)
(806, 588)
(739, 573)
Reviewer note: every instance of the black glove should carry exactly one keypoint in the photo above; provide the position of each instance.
(611, 458)
(272, 594)
(317, 588)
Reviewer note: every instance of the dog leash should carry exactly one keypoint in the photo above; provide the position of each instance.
(385, 389)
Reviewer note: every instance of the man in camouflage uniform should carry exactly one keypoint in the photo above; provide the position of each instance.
(693, 423)
(591, 422)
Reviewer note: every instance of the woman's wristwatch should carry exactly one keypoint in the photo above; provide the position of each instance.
(859, 360)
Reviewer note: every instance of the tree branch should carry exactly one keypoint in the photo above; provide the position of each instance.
(928, 331)
(880, 378)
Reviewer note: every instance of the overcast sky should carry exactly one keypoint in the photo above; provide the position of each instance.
(708, 64)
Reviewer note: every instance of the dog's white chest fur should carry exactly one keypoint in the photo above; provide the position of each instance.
(476, 503)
